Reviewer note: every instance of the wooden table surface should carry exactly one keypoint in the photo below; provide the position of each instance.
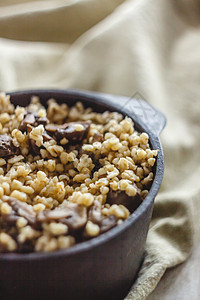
(182, 282)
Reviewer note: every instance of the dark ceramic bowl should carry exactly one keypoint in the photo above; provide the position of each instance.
(106, 266)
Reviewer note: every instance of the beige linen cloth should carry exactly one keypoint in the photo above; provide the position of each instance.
(123, 47)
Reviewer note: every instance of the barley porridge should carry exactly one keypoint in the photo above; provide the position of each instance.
(67, 174)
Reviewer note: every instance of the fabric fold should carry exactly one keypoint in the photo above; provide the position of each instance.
(123, 47)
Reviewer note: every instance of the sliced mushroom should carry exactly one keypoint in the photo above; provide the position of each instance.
(71, 214)
(7, 147)
(108, 223)
(41, 121)
(120, 197)
(68, 131)
(31, 118)
(94, 214)
(35, 149)
(19, 209)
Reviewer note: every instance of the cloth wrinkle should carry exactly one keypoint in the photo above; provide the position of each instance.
(150, 47)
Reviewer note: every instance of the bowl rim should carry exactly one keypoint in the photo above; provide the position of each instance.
(114, 232)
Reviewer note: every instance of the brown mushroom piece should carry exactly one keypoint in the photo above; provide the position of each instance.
(108, 223)
(35, 149)
(19, 209)
(95, 215)
(120, 197)
(32, 143)
(7, 147)
(68, 131)
(31, 118)
(71, 214)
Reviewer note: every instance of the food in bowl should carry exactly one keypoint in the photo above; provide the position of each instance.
(67, 174)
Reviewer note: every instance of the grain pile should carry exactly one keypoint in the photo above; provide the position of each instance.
(67, 174)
